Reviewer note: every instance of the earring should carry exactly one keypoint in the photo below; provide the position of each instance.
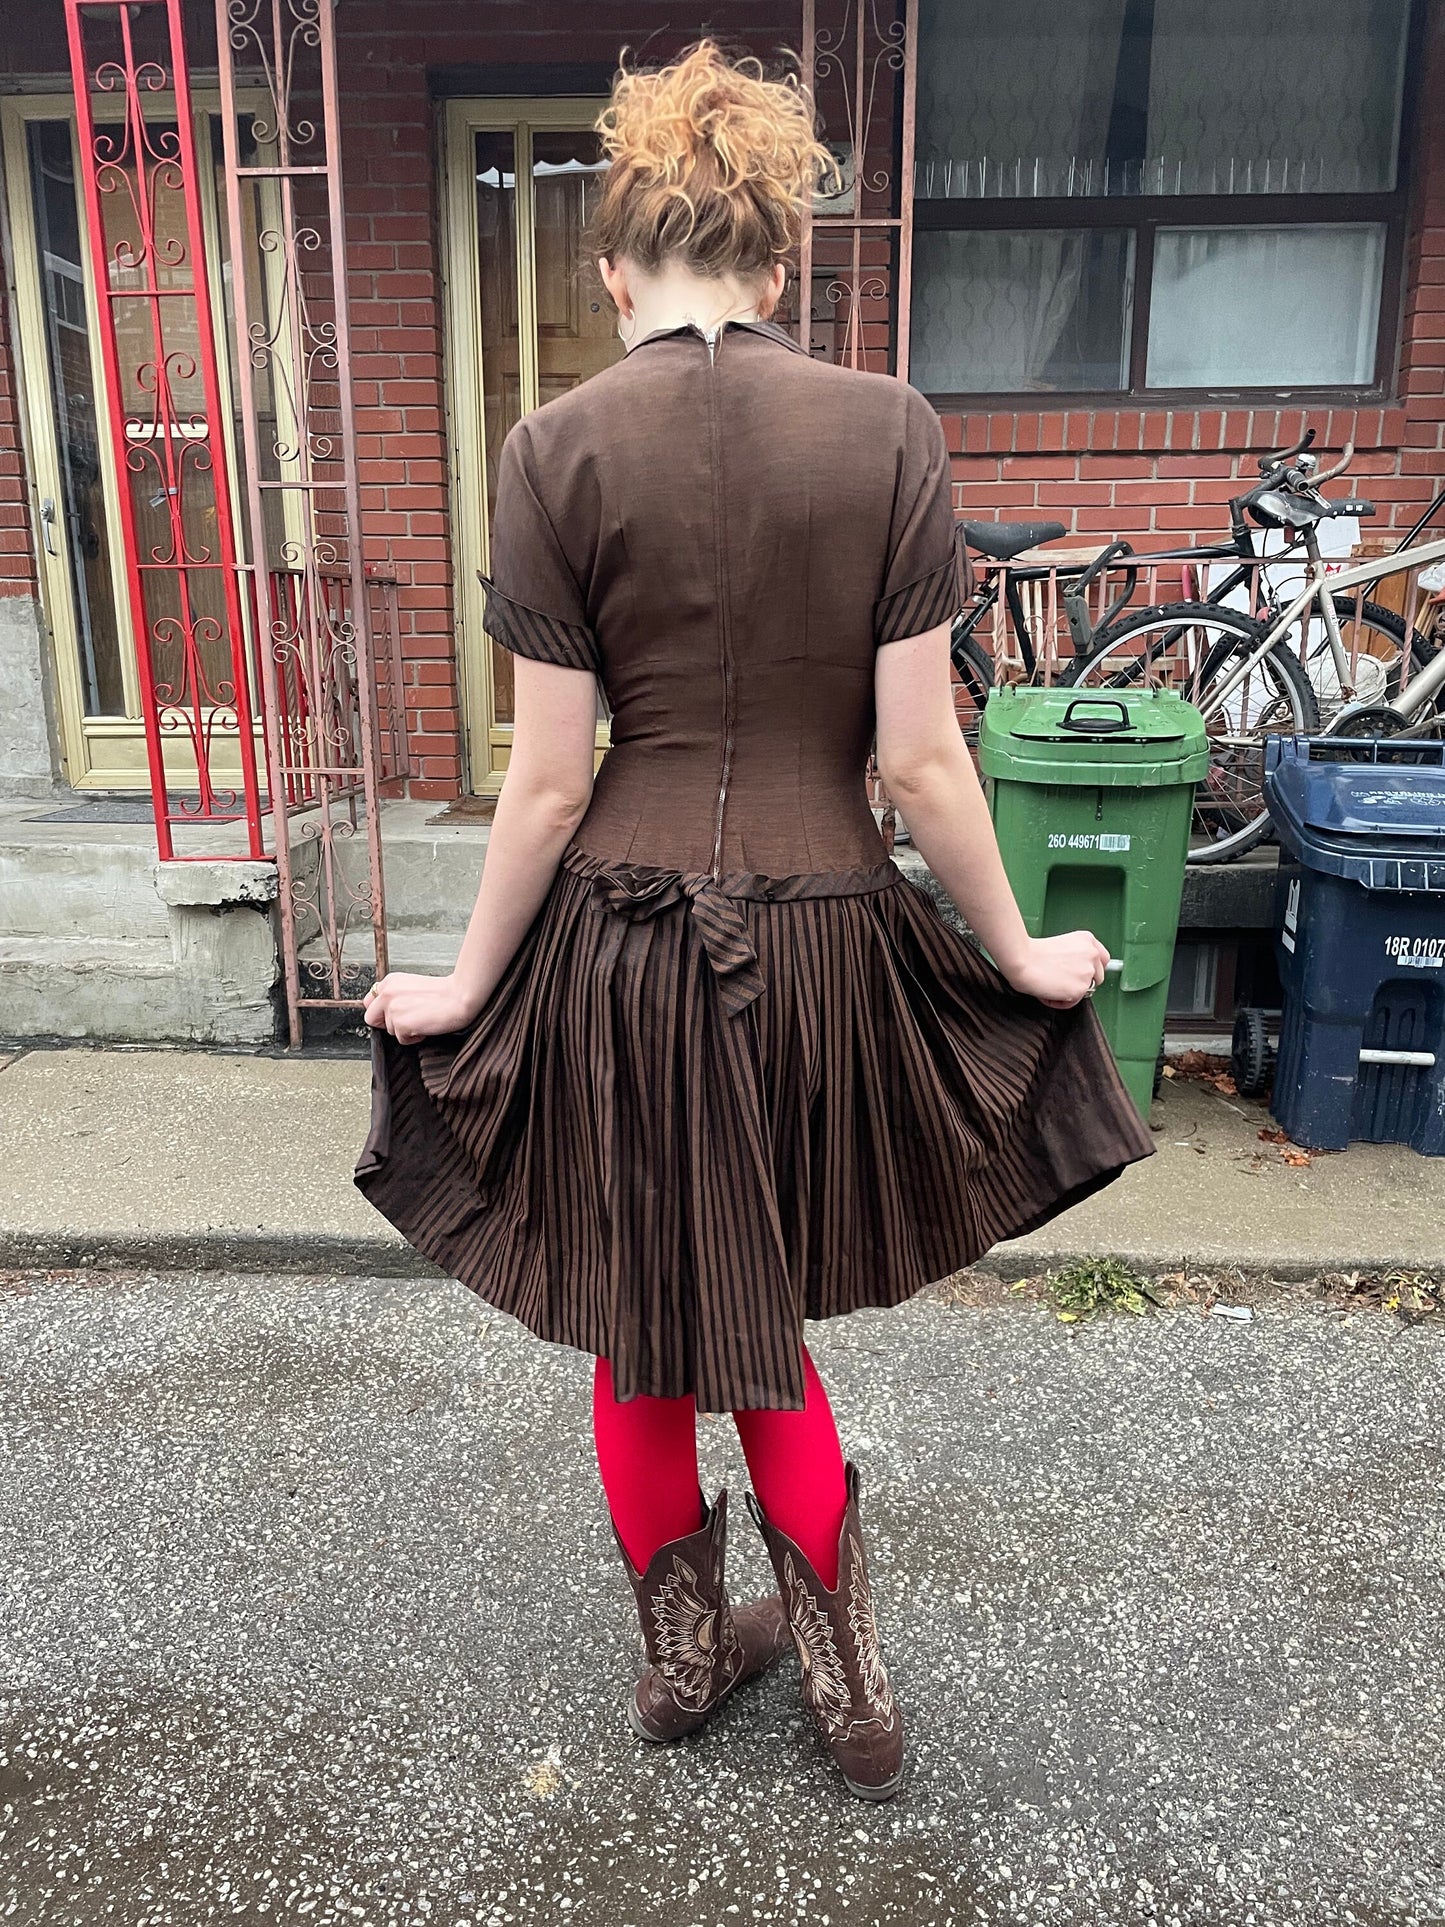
(624, 335)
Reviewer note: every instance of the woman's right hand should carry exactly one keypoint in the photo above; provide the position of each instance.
(1060, 971)
(412, 1007)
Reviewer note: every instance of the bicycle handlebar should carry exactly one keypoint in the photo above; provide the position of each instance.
(1283, 455)
(1318, 481)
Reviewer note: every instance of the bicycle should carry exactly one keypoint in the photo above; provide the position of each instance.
(1242, 673)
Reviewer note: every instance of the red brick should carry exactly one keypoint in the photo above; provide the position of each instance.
(1155, 431)
(1040, 468)
(978, 497)
(1060, 495)
(1193, 467)
(1130, 494)
(1051, 431)
(1108, 468)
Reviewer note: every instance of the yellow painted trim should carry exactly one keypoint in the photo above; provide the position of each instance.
(487, 741)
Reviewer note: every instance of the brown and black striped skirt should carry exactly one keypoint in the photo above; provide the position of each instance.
(696, 1112)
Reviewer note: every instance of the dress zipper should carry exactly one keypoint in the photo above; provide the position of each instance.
(710, 336)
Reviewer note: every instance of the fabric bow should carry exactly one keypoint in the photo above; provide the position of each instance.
(639, 893)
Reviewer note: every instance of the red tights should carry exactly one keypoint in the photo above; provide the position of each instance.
(647, 1456)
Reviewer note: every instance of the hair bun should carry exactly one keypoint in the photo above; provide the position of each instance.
(711, 162)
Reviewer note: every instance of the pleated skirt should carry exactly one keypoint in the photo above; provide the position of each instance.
(693, 1114)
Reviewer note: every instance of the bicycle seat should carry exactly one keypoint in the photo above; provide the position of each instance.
(1002, 541)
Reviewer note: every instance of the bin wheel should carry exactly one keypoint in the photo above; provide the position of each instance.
(1249, 1053)
(1159, 1071)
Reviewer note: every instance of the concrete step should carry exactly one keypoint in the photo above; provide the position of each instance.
(429, 952)
(431, 870)
(57, 880)
(138, 990)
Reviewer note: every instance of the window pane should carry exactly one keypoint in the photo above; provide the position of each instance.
(1300, 96)
(576, 326)
(85, 533)
(1043, 311)
(496, 179)
(1032, 98)
(1158, 97)
(1273, 307)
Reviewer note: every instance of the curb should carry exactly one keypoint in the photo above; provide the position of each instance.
(215, 1250)
(222, 1250)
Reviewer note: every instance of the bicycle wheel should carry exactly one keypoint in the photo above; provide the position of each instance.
(1193, 648)
(1374, 638)
(973, 666)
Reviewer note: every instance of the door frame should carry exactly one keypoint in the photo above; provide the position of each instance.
(98, 752)
(485, 741)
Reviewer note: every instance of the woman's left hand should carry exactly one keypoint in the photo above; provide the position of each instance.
(413, 1007)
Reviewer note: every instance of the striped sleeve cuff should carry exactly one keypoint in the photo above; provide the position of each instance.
(527, 632)
(922, 605)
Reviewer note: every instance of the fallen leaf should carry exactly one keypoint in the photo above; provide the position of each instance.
(1293, 1155)
(1272, 1134)
(1169, 1071)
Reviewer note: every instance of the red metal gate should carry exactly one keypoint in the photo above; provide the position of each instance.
(860, 61)
(147, 253)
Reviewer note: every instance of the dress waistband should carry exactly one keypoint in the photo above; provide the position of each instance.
(638, 891)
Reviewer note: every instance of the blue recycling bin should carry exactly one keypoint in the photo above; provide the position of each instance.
(1360, 936)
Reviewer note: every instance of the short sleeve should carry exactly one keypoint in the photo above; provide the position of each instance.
(535, 605)
(921, 583)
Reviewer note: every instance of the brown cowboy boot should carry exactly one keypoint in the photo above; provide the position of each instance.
(699, 1647)
(845, 1683)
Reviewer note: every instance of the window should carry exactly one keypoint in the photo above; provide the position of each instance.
(1125, 197)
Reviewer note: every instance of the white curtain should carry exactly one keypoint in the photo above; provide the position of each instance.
(1278, 307)
(1291, 97)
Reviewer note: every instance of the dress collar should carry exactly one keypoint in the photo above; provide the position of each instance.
(770, 330)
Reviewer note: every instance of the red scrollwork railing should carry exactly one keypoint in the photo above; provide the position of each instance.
(143, 218)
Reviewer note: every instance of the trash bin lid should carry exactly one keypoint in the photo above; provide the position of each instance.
(1372, 811)
(1095, 739)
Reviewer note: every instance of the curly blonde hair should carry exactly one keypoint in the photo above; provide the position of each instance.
(712, 163)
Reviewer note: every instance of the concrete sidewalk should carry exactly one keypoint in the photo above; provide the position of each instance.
(177, 1159)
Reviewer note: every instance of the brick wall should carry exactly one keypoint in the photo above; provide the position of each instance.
(17, 562)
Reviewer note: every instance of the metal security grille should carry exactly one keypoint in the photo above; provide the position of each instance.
(318, 614)
(859, 59)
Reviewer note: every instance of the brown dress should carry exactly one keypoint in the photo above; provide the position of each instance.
(739, 1072)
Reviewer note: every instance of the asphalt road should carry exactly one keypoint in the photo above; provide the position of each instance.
(309, 1612)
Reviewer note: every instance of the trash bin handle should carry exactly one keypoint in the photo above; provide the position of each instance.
(1097, 725)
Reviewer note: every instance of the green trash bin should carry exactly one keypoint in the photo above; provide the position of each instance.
(1091, 798)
